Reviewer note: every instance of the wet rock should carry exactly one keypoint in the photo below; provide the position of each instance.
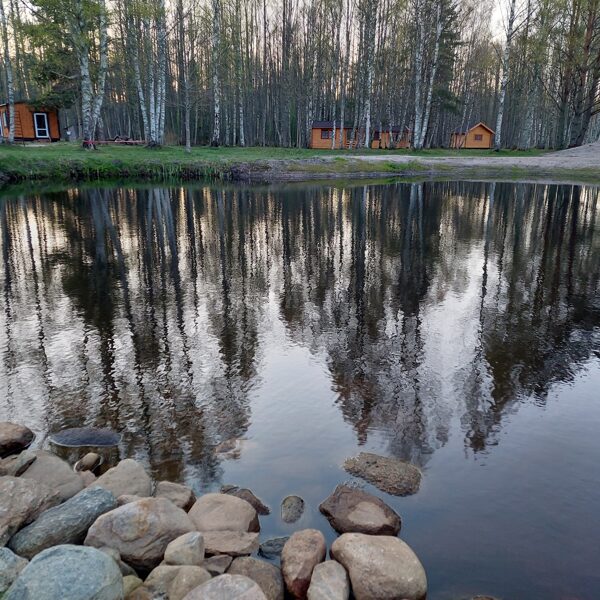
(234, 543)
(89, 462)
(187, 549)
(217, 565)
(131, 583)
(68, 573)
(245, 494)
(390, 475)
(292, 508)
(17, 464)
(23, 500)
(349, 509)
(380, 567)
(301, 554)
(140, 530)
(220, 512)
(227, 587)
(272, 548)
(267, 576)
(10, 567)
(55, 473)
(64, 524)
(14, 438)
(187, 579)
(179, 495)
(76, 437)
(229, 448)
(329, 582)
(127, 478)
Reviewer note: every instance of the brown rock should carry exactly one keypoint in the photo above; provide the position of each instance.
(329, 582)
(302, 552)
(234, 543)
(187, 549)
(179, 495)
(217, 565)
(17, 464)
(267, 576)
(245, 494)
(127, 478)
(227, 587)
(186, 580)
(220, 512)
(88, 462)
(14, 438)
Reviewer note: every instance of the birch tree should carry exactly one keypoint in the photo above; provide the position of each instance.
(8, 72)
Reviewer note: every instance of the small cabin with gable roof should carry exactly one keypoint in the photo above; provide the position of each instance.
(478, 136)
(321, 135)
(32, 124)
(392, 137)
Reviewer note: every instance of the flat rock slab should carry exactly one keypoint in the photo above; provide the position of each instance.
(390, 475)
(267, 576)
(227, 587)
(245, 494)
(272, 548)
(329, 582)
(292, 508)
(220, 512)
(301, 554)
(349, 510)
(14, 438)
(380, 567)
(233, 543)
(76, 437)
(68, 573)
(10, 567)
(128, 478)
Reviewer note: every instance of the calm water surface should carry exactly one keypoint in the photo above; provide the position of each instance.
(453, 325)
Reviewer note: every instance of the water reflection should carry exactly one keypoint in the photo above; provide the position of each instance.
(150, 310)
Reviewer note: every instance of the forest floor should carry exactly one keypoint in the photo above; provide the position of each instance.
(68, 162)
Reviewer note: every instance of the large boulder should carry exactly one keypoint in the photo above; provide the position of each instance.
(301, 554)
(221, 512)
(179, 495)
(349, 509)
(68, 573)
(54, 472)
(380, 567)
(22, 500)
(10, 567)
(329, 582)
(14, 438)
(227, 587)
(64, 524)
(140, 530)
(390, 475)
(267, 576)
(187, 549)
(127, 478)
(247, 495)
(233, 543)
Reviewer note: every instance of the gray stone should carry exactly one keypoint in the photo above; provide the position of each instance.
(301, 554)
(234, 543)
(127, 478)
(245, 494)
(220, 512)
(272, 548)
(55, 473)
(380, 567)
(10, 567)
(14, 438)
(187, 579)
(217, 565)
(17, 464)
(160, 578)
(140, 530)
(131, 583)
(179, 495)
(22, 501)
(64, 524)
(87, 477)
(68, 573)
(292, 508)
(349, 509)
(143, 593)
(390, 475)
(329, 582)
(227, 587)
(267, 576)
(88, 462)
(187, 549)
(116, 556)
(85, 437)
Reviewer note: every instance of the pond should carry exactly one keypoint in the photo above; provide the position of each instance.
(453, 325)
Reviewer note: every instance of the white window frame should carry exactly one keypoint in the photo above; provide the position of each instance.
(5, 118)
(37, 129)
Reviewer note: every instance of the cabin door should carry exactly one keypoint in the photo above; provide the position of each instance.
(40, 120)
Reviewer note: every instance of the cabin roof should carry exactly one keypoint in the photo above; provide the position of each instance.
(473, 126)
(31, 103)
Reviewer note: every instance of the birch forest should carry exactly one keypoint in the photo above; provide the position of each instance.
(259, 72)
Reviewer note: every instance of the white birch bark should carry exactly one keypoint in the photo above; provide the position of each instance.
(216, 46)
(10, 89)
(419, 52)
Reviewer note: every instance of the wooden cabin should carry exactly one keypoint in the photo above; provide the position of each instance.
(321, 135)
(400, 137)
(31, 124)
(478, 136)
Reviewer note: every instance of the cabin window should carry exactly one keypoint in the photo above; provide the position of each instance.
(326, 134)
(478, 137)
(40, 120)
(5, 118)
(376, 136)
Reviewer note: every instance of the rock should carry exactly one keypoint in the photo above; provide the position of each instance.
(329, 582)
(380, 567)
(64, 524)
(140, 530)
(160, 578)
(390, 475)
(272, 548)
(89, 462)
(292, 508)
(17, 464)
(127, 478)
(127, 498)
(187, 579)
(220, 512)
(187, 549)
(14, 438)
(267, 576)
(245, 494)
(143, 593)
(217, 565)
(114, 554)
(131, 583)
(68, 573)
(10, 567)
(22, 501)
(55, 473)
(76, 437)
(234, 543)
(227, 587)
(179, 495)
(301, 554)
(87, 477)
(349, 509)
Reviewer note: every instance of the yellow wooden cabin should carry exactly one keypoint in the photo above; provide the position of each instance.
(321, 135)
(474, 137)
(400, 137)
(31, 124)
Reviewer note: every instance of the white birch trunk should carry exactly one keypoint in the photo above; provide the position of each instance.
(419, 52)
(216, 46)
(10, 89)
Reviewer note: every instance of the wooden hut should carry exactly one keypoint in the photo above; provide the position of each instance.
(321, 135)
(31, 124)
(478, 136)
(398, 137)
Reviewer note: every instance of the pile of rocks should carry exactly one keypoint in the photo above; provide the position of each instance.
(69, 535)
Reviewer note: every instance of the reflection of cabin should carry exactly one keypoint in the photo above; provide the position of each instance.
(322, 133)
(400, 138)
(478, 136)
(31, 124)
